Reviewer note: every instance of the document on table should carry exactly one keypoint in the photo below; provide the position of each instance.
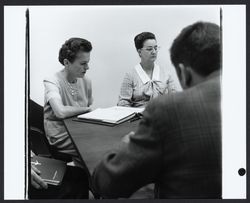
(112, 115)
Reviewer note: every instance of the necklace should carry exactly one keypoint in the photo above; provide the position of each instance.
(72, 87)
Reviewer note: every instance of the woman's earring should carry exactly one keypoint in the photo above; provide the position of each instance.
(139, 52)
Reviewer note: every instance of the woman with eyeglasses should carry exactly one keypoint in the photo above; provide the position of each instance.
(146, 80)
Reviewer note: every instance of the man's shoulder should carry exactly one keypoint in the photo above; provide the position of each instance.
(191, 96)
(164, 104)
(203, 89)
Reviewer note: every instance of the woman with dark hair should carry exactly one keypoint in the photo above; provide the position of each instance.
(146, 80)
(67, 93)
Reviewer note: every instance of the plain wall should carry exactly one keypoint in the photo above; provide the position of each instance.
(111, 31)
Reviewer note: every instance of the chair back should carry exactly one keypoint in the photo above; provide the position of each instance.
(37, 137)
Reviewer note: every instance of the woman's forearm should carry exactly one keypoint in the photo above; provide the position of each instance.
(69, 111)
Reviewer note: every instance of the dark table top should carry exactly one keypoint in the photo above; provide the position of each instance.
(93, 140)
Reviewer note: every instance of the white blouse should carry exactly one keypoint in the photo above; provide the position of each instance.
(137, 88)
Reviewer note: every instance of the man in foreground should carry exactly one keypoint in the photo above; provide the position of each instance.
(177, 144)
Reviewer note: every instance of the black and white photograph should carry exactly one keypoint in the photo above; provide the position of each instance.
(125, 102)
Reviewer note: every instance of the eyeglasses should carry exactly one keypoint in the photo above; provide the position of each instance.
(150, 49)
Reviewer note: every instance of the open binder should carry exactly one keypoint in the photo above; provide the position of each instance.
(52, 170)
(111, 116)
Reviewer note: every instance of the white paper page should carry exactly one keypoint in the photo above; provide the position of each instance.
(112, 114)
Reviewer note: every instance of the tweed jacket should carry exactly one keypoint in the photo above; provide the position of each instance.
(177, 146)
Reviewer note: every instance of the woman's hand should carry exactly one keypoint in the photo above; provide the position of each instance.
(36, 180)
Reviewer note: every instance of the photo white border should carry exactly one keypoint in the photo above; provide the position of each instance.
(233, 100)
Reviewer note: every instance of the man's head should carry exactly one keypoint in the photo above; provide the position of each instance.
(196, 52)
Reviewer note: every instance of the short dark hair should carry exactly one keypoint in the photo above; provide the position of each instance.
(71, 47)
(198, 46)
(141, 38)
